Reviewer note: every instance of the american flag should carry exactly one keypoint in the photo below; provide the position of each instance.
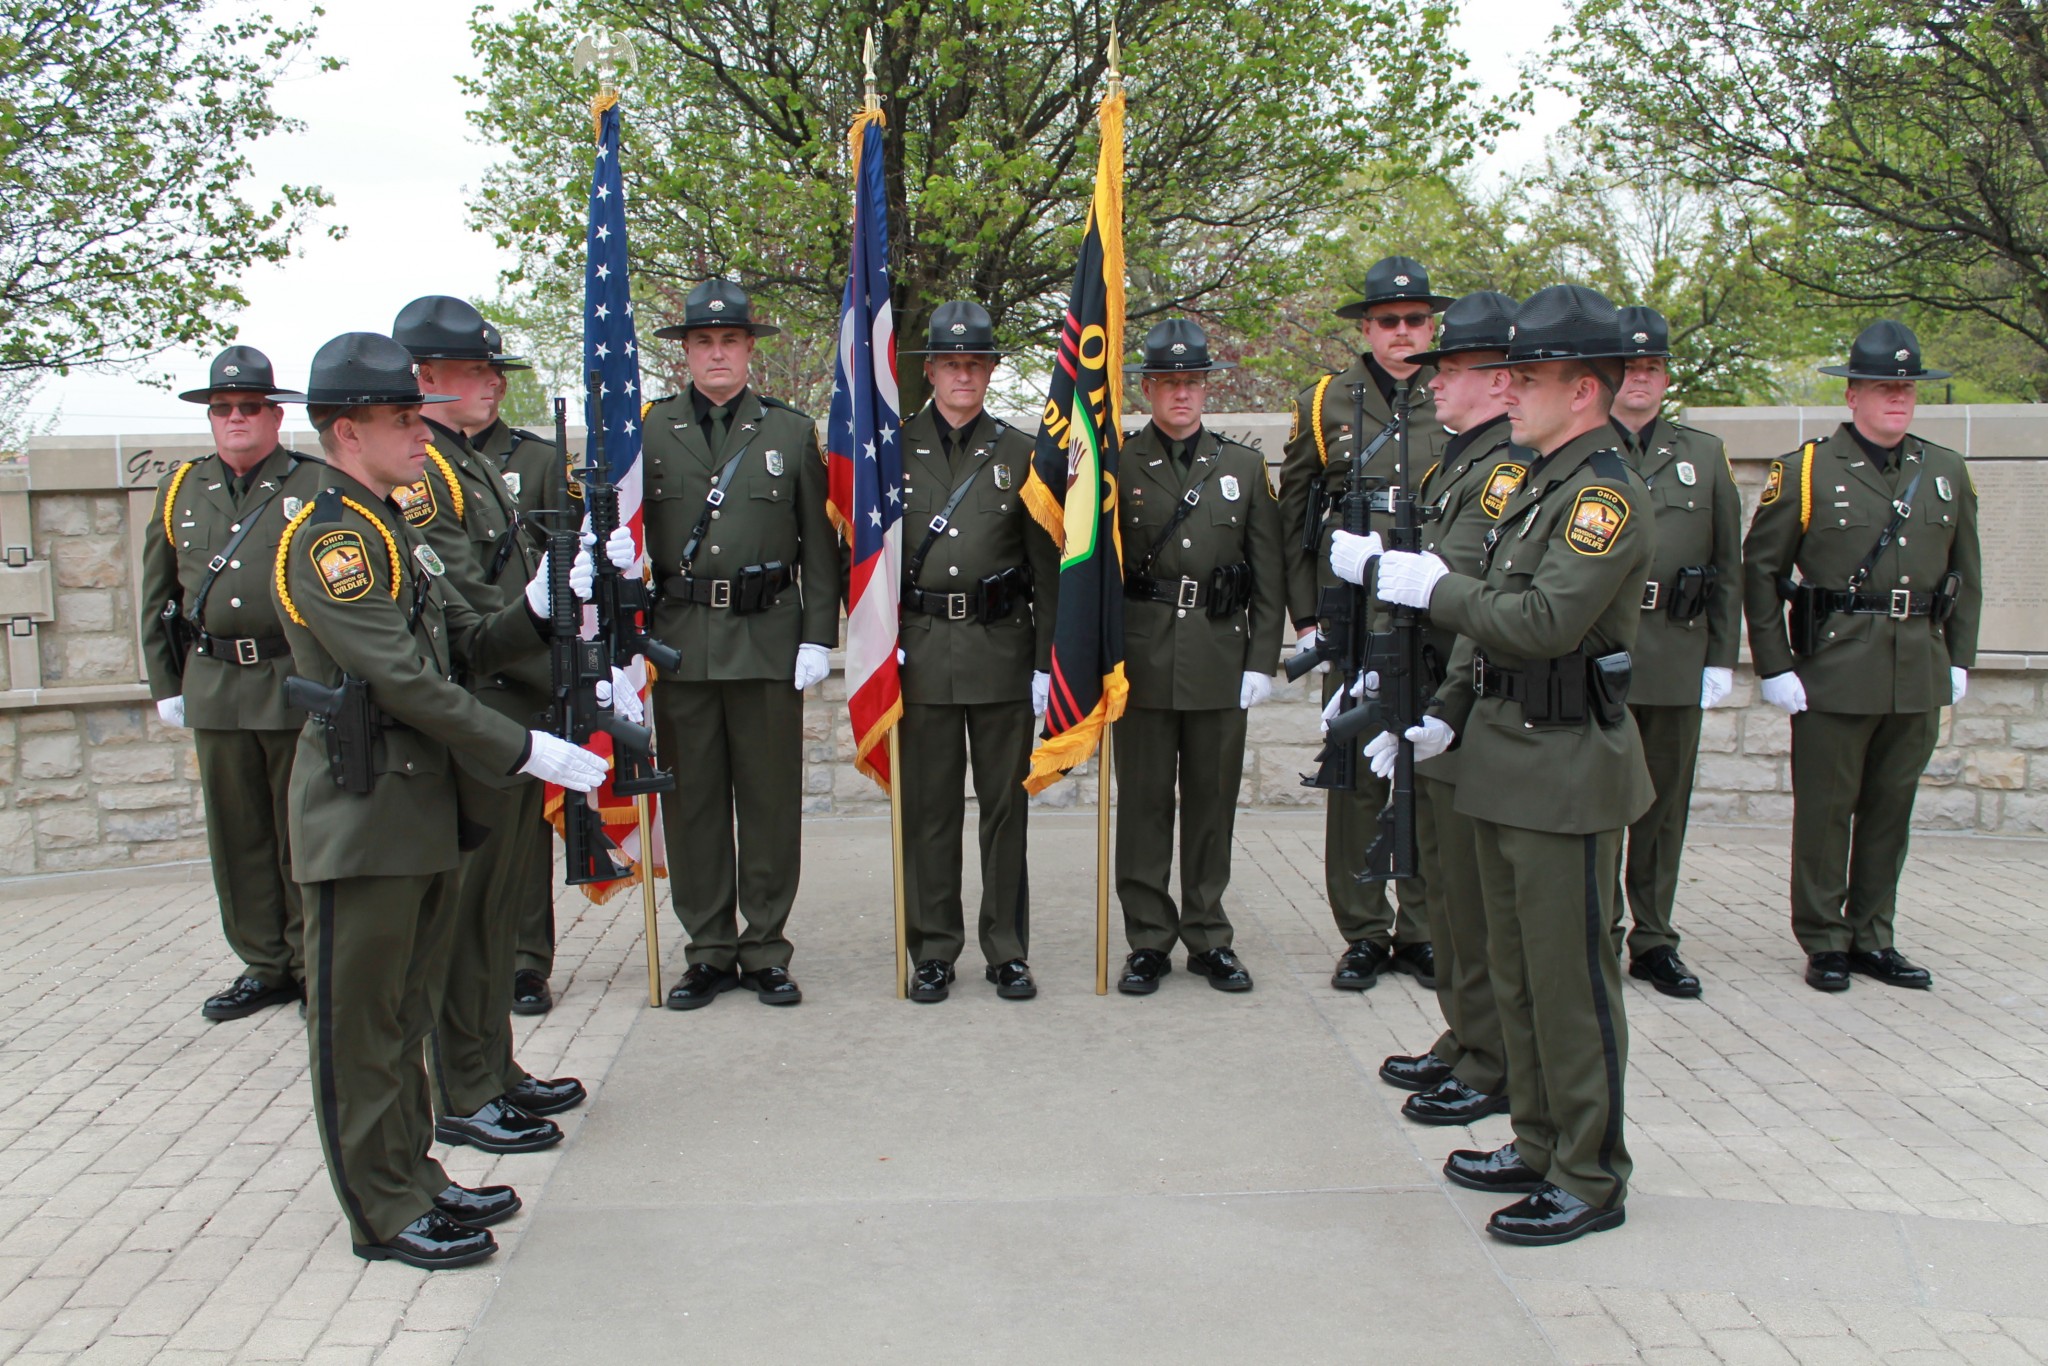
(865, 462)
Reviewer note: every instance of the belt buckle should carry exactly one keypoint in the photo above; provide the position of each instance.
(721, 592)
(1901, 604)
(956, 607)
(1652, 592)
(1189, 590)
(245, 652)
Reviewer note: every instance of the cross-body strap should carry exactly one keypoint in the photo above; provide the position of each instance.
(1180, 514)
(1901, 510)
(197, 613)
(712, 501)
(937, 526)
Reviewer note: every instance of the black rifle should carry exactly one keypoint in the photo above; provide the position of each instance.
(351, 723)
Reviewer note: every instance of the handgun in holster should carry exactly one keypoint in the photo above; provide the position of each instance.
(1230, 589)
(1945, 594)
(1808, 618)
(1692, 588)
(179, 633)
(351, 723)
(1003, 593)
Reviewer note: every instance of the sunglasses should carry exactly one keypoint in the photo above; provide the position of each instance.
(1387, 322)
(248, 407)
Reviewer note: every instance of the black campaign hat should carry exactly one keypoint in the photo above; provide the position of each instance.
(1177, 346)
(241, 370)
(1644, 332)
(716, 303)
(1885, 350)
(1564, 322)
(1483, 321)
(359, 369)
(961, 328)
(1392, 280)
(495, 340)
(438, 327)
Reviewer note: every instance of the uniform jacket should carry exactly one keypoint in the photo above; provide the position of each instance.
(536, 474)
(1699, 521)
(1182, 658)
(1326, 408)
(964, 662)
(182, 536)
(1566, 570)
(347, 576)
(774, 512)
(1821, 516)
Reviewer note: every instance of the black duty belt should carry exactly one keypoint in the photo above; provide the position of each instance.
(1898, 603)
(240, 649)
(1490, 680)
(723, 593)
(1173, 592)
(963, 606)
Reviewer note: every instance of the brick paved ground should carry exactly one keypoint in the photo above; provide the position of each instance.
(1818, 1179)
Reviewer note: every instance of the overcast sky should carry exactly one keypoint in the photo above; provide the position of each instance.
(387, 137)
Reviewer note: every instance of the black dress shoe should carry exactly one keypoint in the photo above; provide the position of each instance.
(246, 996)
(478, 1206)
(1550, 1214)
(1892, 968)
(499, 1128)
(699, 985)
(1360, 967)
(1827, 971)
(546, 1095)
(1418, 961)
(1451, 1101)
(774, 986)
(931, 980)
(1663, 969)
(1417, 1073)
(1500, 1170)
(1012, 979)
(530, 993)
(1142, 971)
(1222, 969)
(432, 1242)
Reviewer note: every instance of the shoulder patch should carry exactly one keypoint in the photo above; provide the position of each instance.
(1596, 521)
(416, 502)
(1773, 485)
(1294, 426)
(1501, 484)
(343, 562)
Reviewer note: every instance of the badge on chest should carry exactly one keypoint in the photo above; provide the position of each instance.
(1229, 487)
(774, 462)
(512, 482)
(1687, 475)
(1002, 477)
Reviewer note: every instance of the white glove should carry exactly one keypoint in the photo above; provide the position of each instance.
(1715, 685)
(1350, 554)
(1041, 693)
(1408, 577)
(1786, 693)
(813, 662)
(171, 710)
(620, 696)
(1255, 689)
(1431, 738)
(554, 760)
(1306, 642)
(618, 548)
(580, 575)
(1357, 689)
(1958, 686)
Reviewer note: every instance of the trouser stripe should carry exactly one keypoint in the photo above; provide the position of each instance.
(1597, 943)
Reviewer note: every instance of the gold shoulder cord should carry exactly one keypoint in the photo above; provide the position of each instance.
(447, 476)
(1806, 484)
(284, 550)
(171, 497)
(1316, 417)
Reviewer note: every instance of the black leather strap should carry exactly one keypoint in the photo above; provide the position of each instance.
(712, 501)
(937, 527)
(242, 650)
(1180, 514)
(197, 614)
(720, 592)
(1901, 510)
(1173, 592)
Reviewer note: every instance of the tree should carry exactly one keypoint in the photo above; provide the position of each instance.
(1242, 125)
(1885, 155)
(123, 133)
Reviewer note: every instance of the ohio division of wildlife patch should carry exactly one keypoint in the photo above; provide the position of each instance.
(1501, 486)
(1597, 519)
(415, 502)
(344, 564)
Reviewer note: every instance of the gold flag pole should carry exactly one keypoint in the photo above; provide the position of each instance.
(641, 808)
(1102, 758)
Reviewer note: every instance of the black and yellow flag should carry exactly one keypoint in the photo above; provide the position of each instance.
(1072, 488)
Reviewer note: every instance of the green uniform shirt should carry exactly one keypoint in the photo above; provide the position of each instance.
(1822, 510)
(535, 473)
(964, 663)
(1181, 657)
(1699, 522)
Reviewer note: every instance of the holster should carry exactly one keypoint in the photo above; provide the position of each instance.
(1809, 615)
(179, 634)
(1945, 595)
(1230, 589)
(351, 724)
(1692, 588)
(1607, 680)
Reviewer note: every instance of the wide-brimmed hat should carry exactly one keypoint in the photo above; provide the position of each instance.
(716, 303)
(1644, 332)
(1563, 322)
(241, 370)
(1393, 280)
(439, 327)
(359, 369)
(1177, 346)
(1482, 321)
(960, 328)
(1886, 349)
(495, 340)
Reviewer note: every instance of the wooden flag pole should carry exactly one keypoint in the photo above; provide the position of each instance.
(896, 860)
(1102, 864)
(643, 810)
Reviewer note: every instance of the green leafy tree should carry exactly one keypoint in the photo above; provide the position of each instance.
(124, 128)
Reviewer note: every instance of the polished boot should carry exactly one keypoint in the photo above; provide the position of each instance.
(1360, 967)
(478, 1206)
(546, 1095)
(1892, 968)
(1551, 1214)
(1827, 971)
(1451, 1101)
(1417, 1073)
(531, 994)
(774, 986)
(1222, 969)
(931, 981)
(1012, 979)
(1500, 1170)
(246, 996)
(1142, 971)
(432, 1242)
(1663, 969)
(499, 1128)
(1418, 961)
(699, 985)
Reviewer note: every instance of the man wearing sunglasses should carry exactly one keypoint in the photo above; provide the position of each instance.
(217, 660)
(1397, 319)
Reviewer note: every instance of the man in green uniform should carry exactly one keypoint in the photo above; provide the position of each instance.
(1551, 766)
(1397, 318)
(374, 813)
(748, 566)
(1463, 1075)
(461, 507)
(977, 645)
(1881, 528)
(1202, 625)
(217, 662)
(1691, 629)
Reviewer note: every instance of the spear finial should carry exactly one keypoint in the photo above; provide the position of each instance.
(867, 61)
(1116, 61)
